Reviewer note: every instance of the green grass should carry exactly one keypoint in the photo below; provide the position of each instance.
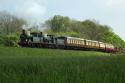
(27, 65)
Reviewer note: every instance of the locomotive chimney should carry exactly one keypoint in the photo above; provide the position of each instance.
(41, 33)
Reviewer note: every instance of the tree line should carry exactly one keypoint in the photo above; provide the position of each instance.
(88, 29)
(11, 26)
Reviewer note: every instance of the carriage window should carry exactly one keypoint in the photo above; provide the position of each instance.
(89, 42)
(71, 41)
(82, 42)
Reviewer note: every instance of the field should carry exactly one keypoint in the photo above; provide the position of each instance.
(27, 65)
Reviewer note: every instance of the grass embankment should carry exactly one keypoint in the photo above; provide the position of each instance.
(27, 65)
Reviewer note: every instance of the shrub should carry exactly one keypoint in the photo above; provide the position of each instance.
(11, 40)
(2, 39)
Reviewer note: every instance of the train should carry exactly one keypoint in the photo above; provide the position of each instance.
(40, 40)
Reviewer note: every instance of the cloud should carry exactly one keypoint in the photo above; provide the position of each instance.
(115, 8)
(116, 3)
(31, 10)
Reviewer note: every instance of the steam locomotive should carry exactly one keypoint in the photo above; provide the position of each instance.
(40, 40)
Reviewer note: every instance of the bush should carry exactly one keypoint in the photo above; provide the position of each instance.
(11, 40)
(2, 39)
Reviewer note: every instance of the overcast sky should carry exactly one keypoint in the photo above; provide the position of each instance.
(109, 12)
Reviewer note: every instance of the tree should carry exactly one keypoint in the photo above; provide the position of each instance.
(114, 39)
(92, 30)
(59, 23)
(10, 23)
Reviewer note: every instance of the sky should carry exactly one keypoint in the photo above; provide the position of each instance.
(107, 12)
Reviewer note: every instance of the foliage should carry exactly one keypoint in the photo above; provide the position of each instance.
(10, 23)
(89, 29)
(73, 34)
(114, 39)
(26, 65)
(11, 40)
(10, 28)
(59, 23)
(2, 39)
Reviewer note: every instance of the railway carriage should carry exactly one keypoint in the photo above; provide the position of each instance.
(75, 42)
(94, 45)
(102, 46)
(109, 48)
